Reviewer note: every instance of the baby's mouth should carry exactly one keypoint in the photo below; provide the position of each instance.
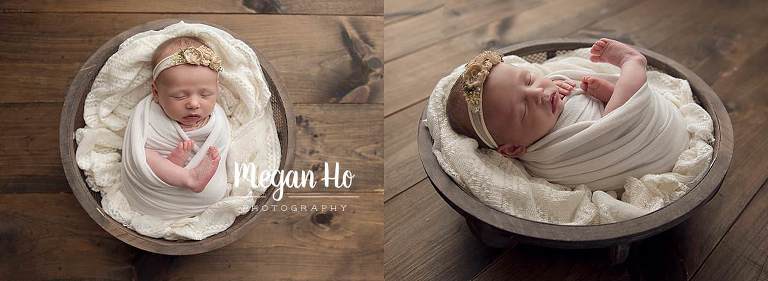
(192, 117)
(552, 102)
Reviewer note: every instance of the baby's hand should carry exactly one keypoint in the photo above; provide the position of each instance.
(565, 87)
(181, 153)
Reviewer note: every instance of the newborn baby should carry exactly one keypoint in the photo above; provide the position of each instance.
(510, 110)
(177, 137)
(187, 94)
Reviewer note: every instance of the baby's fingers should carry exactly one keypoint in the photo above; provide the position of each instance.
(564, 87)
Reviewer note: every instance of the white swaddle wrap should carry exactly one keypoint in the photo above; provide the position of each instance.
(504, 184)
(123, 83)
(149, 127)
(643, 136)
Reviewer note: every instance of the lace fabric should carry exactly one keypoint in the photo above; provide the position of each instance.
(125, 80)
(505, 185)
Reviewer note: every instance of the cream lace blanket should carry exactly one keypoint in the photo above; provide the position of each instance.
(505, 185)
(125, 80)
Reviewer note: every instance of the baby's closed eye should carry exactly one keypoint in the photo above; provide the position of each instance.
(529, 79)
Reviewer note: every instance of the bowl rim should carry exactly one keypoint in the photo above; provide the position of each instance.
(72, 110)
(602, 235)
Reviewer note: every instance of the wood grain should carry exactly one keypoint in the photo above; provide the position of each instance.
(743, 252)
(700, 234)
(46, 243)
(397, 10)
(450, 19)
(347, 133)
(335, 7)
(318, 58)
(49, 236)
(402, 167)
(322, 245)
(649, 260)
(427, 240)
(411, 78)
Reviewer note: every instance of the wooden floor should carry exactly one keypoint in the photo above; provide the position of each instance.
(724, 42)
(397, 227)
(318, 49)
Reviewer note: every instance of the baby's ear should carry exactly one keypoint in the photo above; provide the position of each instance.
(511, 150)
(154, 89)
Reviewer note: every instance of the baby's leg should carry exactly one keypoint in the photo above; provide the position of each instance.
(632, 64)
(194, 179)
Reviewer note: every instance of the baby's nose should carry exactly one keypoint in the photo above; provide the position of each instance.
(538, 95)
(193, 103)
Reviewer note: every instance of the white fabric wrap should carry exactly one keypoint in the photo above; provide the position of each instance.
(504, 184)
(243, 102)
(149, 127)
(645, 135)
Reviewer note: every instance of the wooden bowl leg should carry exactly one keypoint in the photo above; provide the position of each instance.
(151, 266)
(619, 253)
(490, 235)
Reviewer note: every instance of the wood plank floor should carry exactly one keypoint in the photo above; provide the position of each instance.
(395, 225)
(723, 42)
(325, 52)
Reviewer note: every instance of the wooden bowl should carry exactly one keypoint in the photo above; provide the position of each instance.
(72, 118)
(499, 229)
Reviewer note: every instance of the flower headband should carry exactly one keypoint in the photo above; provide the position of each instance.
(201, 55)
(474, 77)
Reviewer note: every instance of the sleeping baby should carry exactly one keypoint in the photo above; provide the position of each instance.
(569, 126)
(182, 133)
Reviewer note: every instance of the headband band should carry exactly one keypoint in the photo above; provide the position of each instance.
(474, 77)
(201, 55)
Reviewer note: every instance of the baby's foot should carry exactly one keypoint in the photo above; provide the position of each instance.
(181, 153)
(202, 174)
(614, 52)
(597, 88)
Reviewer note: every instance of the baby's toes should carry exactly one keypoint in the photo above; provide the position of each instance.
(596, 50)
(601, 43)
(595, 58)
(213, 152)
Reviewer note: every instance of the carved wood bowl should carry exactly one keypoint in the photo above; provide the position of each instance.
(499, 229)
(72, 118)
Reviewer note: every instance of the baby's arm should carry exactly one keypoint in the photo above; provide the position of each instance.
(194, 179)
(632, 64)
(166, 170)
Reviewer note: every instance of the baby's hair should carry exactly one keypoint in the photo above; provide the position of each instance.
(458, 114)
(172, 45)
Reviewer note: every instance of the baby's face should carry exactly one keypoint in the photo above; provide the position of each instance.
(187, 93)
(519, 107)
